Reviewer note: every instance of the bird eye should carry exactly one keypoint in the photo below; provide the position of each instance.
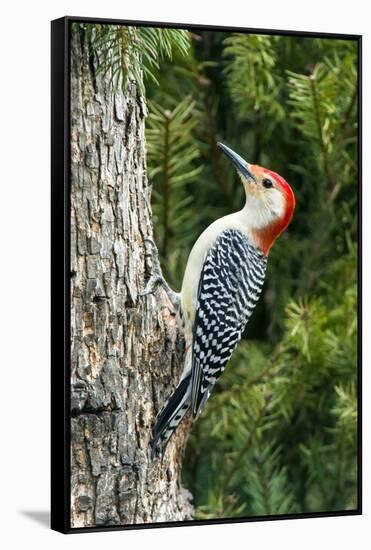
(267, 183)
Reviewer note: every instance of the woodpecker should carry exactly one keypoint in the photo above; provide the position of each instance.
(222, 283)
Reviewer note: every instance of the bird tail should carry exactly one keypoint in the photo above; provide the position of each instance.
(171, 415)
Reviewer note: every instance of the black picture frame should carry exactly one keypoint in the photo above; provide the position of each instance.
(60, 274)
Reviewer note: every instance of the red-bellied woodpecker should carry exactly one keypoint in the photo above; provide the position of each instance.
(221, 286)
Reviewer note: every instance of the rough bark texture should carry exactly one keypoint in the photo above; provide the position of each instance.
(126, 350)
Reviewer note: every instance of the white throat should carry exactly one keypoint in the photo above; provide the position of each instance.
(262, 210)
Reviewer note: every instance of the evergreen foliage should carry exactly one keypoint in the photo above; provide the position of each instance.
(171, 155)
(279, 434)
(133, 53)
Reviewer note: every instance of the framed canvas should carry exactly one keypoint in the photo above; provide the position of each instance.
(206, 226)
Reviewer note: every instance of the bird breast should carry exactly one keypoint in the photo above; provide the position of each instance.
(197, 257)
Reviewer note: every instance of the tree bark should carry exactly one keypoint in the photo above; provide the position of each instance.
(126, 351)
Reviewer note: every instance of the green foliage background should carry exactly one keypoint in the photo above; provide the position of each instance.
(279, 434)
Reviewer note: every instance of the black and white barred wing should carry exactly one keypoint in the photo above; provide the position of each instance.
(231, 281)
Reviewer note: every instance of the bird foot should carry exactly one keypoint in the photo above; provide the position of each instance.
(157, 278)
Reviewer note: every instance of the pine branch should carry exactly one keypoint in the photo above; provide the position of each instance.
(316, 109)
(172, 166)
(133, 54)
(234, 468)
(166, 186)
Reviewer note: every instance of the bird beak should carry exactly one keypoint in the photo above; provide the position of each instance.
(242, 166)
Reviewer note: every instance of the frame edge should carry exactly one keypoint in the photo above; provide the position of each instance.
(60, 479)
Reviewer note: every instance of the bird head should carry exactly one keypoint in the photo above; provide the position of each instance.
(270, 201)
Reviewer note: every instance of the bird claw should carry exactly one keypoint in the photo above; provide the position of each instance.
(151, 286)
(150, 241)
(157, 277)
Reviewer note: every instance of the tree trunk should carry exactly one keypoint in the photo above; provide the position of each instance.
(126, 351)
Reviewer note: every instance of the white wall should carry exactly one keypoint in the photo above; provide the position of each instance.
(24, 362)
